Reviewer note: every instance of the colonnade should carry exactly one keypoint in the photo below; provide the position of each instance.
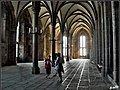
(106, 38)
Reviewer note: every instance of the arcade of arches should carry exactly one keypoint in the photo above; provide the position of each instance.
(31, 31)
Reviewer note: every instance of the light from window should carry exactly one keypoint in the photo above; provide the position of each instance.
(82, 46)
(17, 39)
(64, 45)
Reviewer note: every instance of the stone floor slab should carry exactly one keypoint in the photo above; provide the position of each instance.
(20, 77)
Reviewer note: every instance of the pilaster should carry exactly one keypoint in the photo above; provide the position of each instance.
(62, 46)
(105, 29)
(67, 45)
(119, 43)
(102, 38)
(114, 40)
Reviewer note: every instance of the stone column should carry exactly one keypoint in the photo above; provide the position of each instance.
(114, 40)
(0, 50)
(98, 35)
(67, 45)
(53, 37)
(3, 27)
(36, 9)
(62, 46)
(119, 45)
(102, 35)
(3, 38)
(117, 30)
(45, 45)
(96, 46)
(106, 48)
(23, 41)
(110, 53)
(102, 38)
(71, 46)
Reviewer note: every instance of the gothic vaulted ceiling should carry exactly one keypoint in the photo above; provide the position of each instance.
(73, 15)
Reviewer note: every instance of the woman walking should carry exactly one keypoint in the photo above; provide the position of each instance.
(48, 66)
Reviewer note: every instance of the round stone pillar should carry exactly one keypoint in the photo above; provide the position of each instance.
(36, 9)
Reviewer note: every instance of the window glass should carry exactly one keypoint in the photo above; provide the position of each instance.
(82, 45)
(64, 46)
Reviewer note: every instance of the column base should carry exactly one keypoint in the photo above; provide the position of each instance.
(67, 59)
(17, 59)
(35, 70)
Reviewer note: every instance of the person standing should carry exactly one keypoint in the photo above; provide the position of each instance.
(60, 66)
(48, 66)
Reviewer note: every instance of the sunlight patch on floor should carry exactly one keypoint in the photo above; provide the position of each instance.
(80, 59)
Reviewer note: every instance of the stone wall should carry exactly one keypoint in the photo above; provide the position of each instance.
(8, 37)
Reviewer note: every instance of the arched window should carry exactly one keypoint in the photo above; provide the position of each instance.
(82, 45)
(64, 46)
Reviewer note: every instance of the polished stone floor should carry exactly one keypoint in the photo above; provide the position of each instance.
(79, 74)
